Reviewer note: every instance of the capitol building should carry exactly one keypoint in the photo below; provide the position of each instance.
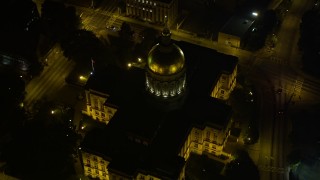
(153, 118)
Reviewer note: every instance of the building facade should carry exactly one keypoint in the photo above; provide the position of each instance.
(225, 85)
(166, 71)
(98, 107)
(153, 11)
(135, 145)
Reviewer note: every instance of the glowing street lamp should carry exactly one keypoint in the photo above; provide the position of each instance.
(255, 14)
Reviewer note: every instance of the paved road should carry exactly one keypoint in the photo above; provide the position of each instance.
(280, 69)
(51, 80)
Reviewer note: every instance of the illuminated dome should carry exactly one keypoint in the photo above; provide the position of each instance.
(165, 59)
(166, 72)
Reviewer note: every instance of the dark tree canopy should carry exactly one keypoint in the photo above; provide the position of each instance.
(12, 91)
(125, 31)
(149, 38)
(81, 46)
(242, 167)
(309, 41)
(19, 27)
(44, 147)
(58, 20)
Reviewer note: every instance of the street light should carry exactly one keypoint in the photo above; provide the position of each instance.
(255, 14)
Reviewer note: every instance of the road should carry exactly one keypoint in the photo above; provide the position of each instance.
(283, 87)
(51, 80)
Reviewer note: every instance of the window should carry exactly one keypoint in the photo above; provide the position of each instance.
(196, 133)
(142, 177)
(215, 136)
(88, 161)
(89, 170)
(97, 171)
(94, 158)
(208, 135)
(196, 145)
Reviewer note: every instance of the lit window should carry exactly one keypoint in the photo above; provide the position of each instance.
(208, 134)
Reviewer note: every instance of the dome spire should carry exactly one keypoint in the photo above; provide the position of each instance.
(166, 33)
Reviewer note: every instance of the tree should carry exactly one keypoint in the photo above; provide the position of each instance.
(269, 20)
(125, 31)
(242, 167)
(19, 28)
(44, 147)
(149, 38)
(125, 45)
(309, 41)
(12, 91)
(82, 46)
(58, 20)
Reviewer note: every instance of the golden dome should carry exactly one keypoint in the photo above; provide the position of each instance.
(166, 59)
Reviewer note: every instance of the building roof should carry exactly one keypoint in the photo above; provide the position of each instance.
(116, 82)
(237, 26)
(165, 1)
(148, 136)
(166, 60)
(166, 57)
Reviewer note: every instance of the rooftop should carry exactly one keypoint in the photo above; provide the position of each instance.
(147, 135)
(237, 26)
